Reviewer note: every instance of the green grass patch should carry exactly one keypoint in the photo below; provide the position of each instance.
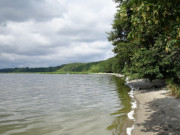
(174, 88)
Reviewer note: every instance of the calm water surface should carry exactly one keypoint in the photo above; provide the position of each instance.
(42, 104)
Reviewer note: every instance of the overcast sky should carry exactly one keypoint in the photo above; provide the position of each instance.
(38, 33)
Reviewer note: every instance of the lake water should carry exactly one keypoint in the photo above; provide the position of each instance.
(49, 104)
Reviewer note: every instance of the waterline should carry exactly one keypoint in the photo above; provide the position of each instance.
(133, 107)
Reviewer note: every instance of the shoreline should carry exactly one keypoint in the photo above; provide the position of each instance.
(154, 112)
(157, 113)
(129, 125)
(131, 114)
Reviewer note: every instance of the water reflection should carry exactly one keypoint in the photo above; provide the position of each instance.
(33, 104)
(121, 120)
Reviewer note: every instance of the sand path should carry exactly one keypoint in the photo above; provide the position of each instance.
(157, 113)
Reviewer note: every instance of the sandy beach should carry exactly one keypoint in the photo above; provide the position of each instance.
(157, 113)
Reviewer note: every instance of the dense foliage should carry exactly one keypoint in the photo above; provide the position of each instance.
(31, 70)
(146, 38)
(106, 66)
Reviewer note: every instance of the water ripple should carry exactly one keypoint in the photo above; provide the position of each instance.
(58, 104)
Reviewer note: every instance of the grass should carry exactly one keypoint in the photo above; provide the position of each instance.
(174, 88)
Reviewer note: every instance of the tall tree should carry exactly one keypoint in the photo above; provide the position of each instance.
(146, 36)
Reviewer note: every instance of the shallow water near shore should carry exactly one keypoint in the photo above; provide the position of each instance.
(44, 104)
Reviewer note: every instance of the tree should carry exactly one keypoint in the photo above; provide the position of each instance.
(146, 36)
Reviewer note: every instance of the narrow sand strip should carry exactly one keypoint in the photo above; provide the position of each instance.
(115, 74)
(157, 113)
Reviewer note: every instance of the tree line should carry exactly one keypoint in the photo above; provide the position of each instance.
(146, 39)
(106, 66)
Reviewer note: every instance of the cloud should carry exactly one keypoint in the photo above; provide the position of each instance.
(22, 10)
(48, 33)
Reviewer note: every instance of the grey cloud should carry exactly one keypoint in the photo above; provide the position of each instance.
(88, 33)
(21, 10)
(36, 61)
(39, 33)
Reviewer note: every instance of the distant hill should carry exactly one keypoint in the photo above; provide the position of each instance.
(106, 66)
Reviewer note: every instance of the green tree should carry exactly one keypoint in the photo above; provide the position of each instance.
(146, 36)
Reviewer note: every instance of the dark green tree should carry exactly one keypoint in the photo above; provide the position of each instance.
(146, 36)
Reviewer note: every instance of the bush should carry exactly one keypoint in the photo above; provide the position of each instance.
(175, 88)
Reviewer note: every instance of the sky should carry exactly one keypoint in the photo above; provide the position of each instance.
(41, 33)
